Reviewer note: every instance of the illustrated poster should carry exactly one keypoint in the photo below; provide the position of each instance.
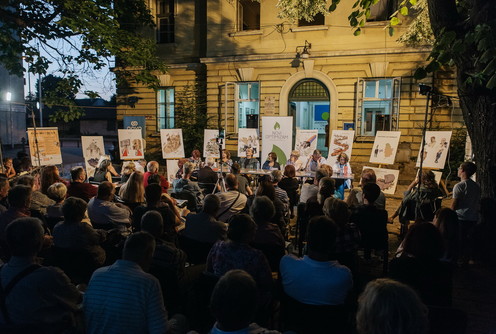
(48, 146)
(172, 169)
(386, 179)
(277, 137)
(248, 138)
(435, 149)
(385, 147)
(341, 142)
(306, 143)
(93, 148)
(210, 146)
(131, 144)
(172, 143)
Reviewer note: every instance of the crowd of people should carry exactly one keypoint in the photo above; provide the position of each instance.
(105, 258)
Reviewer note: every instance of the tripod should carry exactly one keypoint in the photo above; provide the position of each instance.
(220, 181)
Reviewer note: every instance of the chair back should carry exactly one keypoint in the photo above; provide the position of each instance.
(78, 265)
(189, 197)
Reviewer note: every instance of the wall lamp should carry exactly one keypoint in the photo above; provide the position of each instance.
(424, 89)
(302, 50)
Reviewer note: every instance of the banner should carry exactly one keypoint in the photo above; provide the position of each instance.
(93, 148)
(48, 146)
(277, 137)
(435, 149)
(131, 144)
(306, 143)
(385, 147)
(248, 138)
(341, 142)
(135, 122)
(172, 143)
(210, 146)
(387, 179)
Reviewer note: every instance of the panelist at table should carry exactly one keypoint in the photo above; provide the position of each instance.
(271, 162)
(249, 162)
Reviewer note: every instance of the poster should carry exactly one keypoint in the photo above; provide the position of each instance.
(48, 146)
(385, 147)
(210, 145)
(341, 142)
(277, 137)
(386, 179)
(172, 143)
(93, 148)
(131, 144)
(306, 143)
(248, 138)
(435, 149)
(172, 169)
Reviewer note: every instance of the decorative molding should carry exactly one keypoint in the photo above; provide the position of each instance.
(379, 69)
(308, 66)
(165, 80)
(245, 73)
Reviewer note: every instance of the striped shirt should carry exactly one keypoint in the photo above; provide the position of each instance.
(122, 298)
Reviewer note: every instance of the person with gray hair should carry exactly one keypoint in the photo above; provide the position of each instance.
(186, 185)
(152, 169)
(56, 192)
(203, 226)
(316, 202)
(308, 190)
(276, 177)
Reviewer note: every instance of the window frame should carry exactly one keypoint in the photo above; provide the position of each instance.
(166, 118)
(171, 17)
(240, 15)
(237, 100)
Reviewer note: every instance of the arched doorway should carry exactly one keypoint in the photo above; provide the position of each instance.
(309, 104)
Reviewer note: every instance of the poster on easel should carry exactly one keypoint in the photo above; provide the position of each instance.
(172, 143)
(385, 147)
(248, 138)
(93, 148)
(131, 144)
(387, 179)
(172, 169)
(210, 144)
(435, 149)
(341, 142)
(47, 151)
(305, 143)
(277, 137)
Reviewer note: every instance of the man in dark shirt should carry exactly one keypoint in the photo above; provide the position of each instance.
(79, 188)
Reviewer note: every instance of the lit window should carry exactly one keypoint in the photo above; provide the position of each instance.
(165, 108)
(248, 104)
(377, 105)
(382, 10)
(248, 15)
(318, 20)
(165, 21)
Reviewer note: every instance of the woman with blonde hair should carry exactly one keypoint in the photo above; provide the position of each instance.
(133, 191)
(127, 171)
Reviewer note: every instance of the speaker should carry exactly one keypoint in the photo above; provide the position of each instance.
(252, 121)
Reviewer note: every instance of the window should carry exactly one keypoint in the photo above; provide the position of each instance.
(248, 15)
(248, 104)
(318, 20)
(377, 105)
(165, 108)
(382, 10)
(165, 21)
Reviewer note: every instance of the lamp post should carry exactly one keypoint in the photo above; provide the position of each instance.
(8, 97)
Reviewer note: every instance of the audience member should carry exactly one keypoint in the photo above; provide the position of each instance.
(315, 161)
(78, 187)
(290, 184)
(231, 201)
(308, 190)
(106, 214)
(294, 160)
(39, 201)
(56, 192)
(271, 162)
(152, 169)
(447, 223)
(133, 192)
(40, 298)
(8, 168)
(390, 307)
(243, 181)
(315, 279)
(316, 202)
(354, 198)
(4, 191)
(203, 226)
(186, 185)
(127, 170)
(49, 176)
(105, 171)
(281, 216)
(206, 174)
(19, 199)
(249, 162)
(276, 177)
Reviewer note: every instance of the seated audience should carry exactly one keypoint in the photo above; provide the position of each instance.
(290, 184)
(249, 162)
(39, 201)
(8, 167)
(40, 299)
(49, 176)
(243, 181)
(102, 173)
(281, 216)
(316, 203)
(271, 162)
(19, 199)
(127, 170)
(133, 192)
(420, 267)
(56, 192)
(203, 226)
(106, 214)
(206, 173)
(78, 187)
(276, 177)
(152, 169)
(315, 279)
(231, 201)
(390, 307)
(74, 234)
(186, 185)
(4, 191)
(354, 198)
(308, 190)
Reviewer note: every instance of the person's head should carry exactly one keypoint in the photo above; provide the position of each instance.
(249, 152)
(104, 165)
(4, 187)
(337, 210)
(241, 229)
(327, 186)
(266, 189)
(433, 139)
(429, 179)
(272, 157)
(446, 220)
(78, 174)
(316, 155)
(295, 154)
(319, 174)
(327, 168)
(390, 307)
(134, 190)
(289, 171)
(106, 191)
(321, 237)
(153, 192)
(153, 178)
(235, 168)
(24, 236)
(20, 196)
(153, 223)
(226, 154)
(371, 192)
(231, 182)
(74, 209)
(7, 162)
(152, 167)
(57, 192)
(196, 154)
(342, 158)
(139, 248)
(129, 168)
(26, 180)
(234, 300)
(188, 169)
(424, 242)
(368, 176)
(210, 162)
(467, 169)
(181, 162)
(276, 176)
(262, 209)
(211, 204)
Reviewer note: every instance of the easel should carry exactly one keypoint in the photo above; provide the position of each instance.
(221, 183)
